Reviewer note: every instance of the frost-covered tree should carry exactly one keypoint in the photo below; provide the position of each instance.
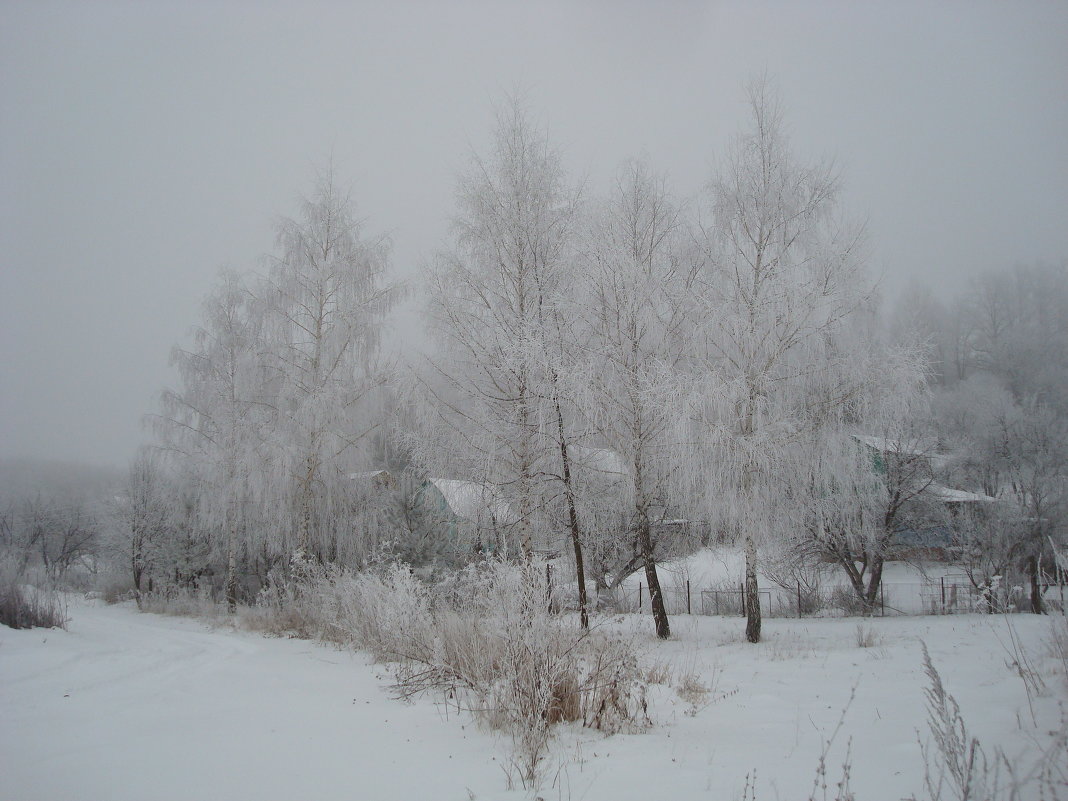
(323, 302)
(851, 495)
(782, 273)
(493, 302)
(143, 515)
(213, 422)
(1016, 452)
(1031, 448)
(633, 299)
(55, 531)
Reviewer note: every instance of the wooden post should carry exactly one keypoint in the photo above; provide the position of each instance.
(549, 586)
(741, 587)
(639, 597)
(688, 608)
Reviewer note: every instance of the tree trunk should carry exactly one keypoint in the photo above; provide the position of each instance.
(752, 591)
(1038, 607)
(137, 564)
(875, 578)
(656, 596)
(303, 551)
(576, 540)
(231, 568)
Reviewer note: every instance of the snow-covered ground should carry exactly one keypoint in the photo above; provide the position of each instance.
(137, 706)
(130, 705)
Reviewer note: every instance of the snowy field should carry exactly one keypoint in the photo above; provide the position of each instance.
(127, 705)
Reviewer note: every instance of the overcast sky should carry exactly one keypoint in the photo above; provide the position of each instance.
(145, 145)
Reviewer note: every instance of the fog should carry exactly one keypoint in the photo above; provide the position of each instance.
(145, 145)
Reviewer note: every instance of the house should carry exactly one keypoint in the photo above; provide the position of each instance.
(470, 515)
(374, 479)
(910, 465)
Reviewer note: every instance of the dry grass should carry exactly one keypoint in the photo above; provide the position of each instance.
(657, 673)
(23, 606)
(484, 640)
(1058, 643)
(691, 689)
(865, 636)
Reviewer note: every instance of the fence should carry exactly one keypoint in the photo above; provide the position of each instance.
(937, 597)
(684, 599)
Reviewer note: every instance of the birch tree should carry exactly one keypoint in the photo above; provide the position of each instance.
(493, 297)
(781, 274)
(214, 421)
(634, 287)
(324, 301)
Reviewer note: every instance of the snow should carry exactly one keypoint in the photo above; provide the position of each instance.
(133, 706)
(888, 445)
(950, 495)
(924, 447)
(127, 705)
(473, 501)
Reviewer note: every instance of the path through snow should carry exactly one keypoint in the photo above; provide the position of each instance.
(132, 706)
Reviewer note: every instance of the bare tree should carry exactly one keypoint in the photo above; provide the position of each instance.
(854, 494)
(494, 296)
(782, 274)
(144, 511)
(324, 301)
(213, 423)
(635, 312)
(1017, 452)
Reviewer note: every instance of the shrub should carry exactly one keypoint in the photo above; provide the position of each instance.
(26, 607)
(181, 601)
(865, 636)
(846, 599)
(485, 639)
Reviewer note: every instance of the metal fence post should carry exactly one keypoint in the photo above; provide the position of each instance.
(742, 589)
(942, 581)
(799, 600)
(688, 606)
(639, 597)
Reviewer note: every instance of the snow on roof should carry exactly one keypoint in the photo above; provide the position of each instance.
(926, 448)
(368, 474)
(474, 501)
(950, 495)
(887, 445)
(375, 479)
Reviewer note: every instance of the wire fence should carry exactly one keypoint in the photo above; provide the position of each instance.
(944, 596)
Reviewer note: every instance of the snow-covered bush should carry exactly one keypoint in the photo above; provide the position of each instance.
(486, 640)
(23, 606)
(182, 601)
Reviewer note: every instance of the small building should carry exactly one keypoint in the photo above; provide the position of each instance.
(471, 515)
(374, 479)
